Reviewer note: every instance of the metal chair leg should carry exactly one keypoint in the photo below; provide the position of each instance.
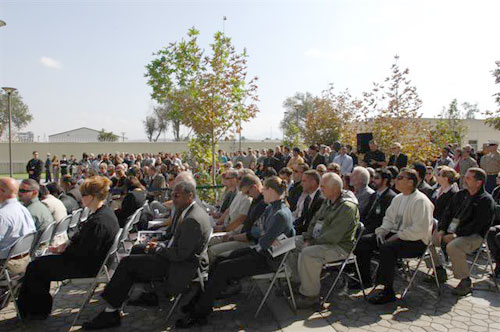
(413, 276)
(268, 290)
(334, 283)
(435, 274)
(171, 311)
(359, 277)
(292, 297)
(90, 293)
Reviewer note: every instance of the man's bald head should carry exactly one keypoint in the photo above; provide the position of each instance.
(8, 189)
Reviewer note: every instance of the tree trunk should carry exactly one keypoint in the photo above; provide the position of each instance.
(176, 127)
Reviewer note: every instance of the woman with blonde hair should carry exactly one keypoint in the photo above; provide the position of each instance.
(81, 257)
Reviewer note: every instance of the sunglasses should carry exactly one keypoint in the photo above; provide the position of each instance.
(25, 190)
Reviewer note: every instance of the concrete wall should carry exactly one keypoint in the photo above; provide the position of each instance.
(22, 152)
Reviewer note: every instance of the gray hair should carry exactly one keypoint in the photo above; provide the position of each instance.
(32, 184)
(333, 179)
(185, 176)
(186, 187)
(363, 174)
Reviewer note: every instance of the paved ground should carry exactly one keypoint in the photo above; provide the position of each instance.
(421, 311)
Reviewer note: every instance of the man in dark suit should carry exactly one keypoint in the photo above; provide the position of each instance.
(157, 185)
(380, 201)
(296, 188)
(312, 202)
(422, 185)
(397, 158)
(34, 167)
(374, 158)
(316, 157)
(272, 161)
(177, 259)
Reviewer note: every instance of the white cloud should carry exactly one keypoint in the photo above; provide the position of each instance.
(49, 62)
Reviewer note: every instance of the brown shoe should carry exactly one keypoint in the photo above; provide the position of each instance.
(463, 288)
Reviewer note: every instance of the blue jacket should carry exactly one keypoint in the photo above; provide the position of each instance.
(276, 220)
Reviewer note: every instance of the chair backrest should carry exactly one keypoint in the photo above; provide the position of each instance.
(126, 229)
(434, 225)
(75, 218)
(136, 217)
(359, 233)
(85, 214)
(22, 246)
(62, 226)
(46, 234)
(112, 250)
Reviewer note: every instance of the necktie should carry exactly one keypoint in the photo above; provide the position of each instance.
(307, 202)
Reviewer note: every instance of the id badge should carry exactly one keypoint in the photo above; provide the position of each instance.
(453, 225)
(317, 229)
(378, 209)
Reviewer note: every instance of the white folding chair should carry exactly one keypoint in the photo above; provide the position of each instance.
(75, 220)
(129, 225)
(351, 258)
(102, 275)
(22, 247)
(85, 215)
(406, 262)
(62, 226)
(44, 239)
(282, 272)
(484, 249)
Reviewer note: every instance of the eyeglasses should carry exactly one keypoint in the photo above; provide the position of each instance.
(401, 177)
(25, 191)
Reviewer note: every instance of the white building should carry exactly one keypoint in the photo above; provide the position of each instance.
(80, 135)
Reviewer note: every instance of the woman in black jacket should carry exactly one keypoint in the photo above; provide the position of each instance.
(447, 178)
(80, 258)
(133, 200)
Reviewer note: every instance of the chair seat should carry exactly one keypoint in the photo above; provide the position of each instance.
(266, 276)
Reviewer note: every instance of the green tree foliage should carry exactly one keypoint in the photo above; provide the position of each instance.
(21, 115)
(107, 136)
(493, 117)
(296, 109)
(292, 137)
(450, 127)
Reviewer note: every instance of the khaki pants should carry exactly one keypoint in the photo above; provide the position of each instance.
(457, 251)
(308, 262)
(224, 249)
(16, 266)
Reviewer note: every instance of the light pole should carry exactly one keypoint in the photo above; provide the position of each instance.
(9, 108)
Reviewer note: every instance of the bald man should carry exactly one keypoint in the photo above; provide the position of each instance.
(15, 222)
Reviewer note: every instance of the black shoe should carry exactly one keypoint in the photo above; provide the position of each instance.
(35, 317)
(463, 288)
(382, 297)
(145, 300)
(190, 321)
(103, 321)
(441, 276)
(356, 285)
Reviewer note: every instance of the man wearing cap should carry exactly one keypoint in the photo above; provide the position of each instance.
(490, 163)
(397, 158)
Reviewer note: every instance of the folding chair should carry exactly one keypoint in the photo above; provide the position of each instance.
(85, 215)
(22, 247)
(75, 220)
(200, 278)
(129, 225)
(62, 226)
(44, 240)
(281, 272)
(484, 248)
(351, 258)
(406, 262)
(101, 277)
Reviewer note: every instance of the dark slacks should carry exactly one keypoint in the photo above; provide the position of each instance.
(133, 269)
(389, 254)
(491, 183)
(48, 176)
(240, 263)
(34, 297)
(494, 243)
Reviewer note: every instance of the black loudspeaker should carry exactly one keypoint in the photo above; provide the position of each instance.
(363, 141)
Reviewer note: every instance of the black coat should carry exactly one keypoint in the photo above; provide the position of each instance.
(89, 246)
(69, 202)
(426, 189)
(441, 204)
(376, 212)
(400, 162)
(132, 201)
(318, 160)
(294, 194)
(302, 223)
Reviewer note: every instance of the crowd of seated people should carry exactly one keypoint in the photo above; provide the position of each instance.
(318, 196)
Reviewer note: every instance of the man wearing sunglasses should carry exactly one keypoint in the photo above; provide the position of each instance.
(405, 232)
(28, 195)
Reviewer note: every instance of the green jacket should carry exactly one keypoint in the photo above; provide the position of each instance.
(40, 213)
(339, 220)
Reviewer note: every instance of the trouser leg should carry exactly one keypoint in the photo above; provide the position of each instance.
(364, 252)
(457, 252)
(390, 252)
(132, 269)
(311, 260)
(293, 258)
(494, 243)
(241, 263)
(224, 249)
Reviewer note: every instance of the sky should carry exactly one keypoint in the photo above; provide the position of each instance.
(82, 63)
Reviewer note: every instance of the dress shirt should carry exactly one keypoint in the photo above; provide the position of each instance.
(15, 222)
(345, 162)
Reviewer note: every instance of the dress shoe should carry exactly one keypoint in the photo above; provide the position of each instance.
(103, 321)
(382, 297)
(231, 290)
(306, 302)
(145, 300)
(190, 321)
(441, 275)
(35, 317)
(463, 288)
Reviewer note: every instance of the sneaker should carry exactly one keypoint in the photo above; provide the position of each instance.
(103, 321)
(145, 300)
(441, 276)
(306, 302)
(382, 297)
(463, 288)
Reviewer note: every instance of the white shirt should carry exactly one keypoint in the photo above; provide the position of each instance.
(345, 162)
(15, 222)
(239, 206)
(56, 207)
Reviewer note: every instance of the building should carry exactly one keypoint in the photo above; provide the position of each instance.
(80, 135)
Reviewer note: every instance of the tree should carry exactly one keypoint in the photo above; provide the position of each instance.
(296, 110)
(150, 126)
(21, 115)
(292, 137)
(450, 125)
(105, 136)
(470, 110)
(391, 113)
(493, 117)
